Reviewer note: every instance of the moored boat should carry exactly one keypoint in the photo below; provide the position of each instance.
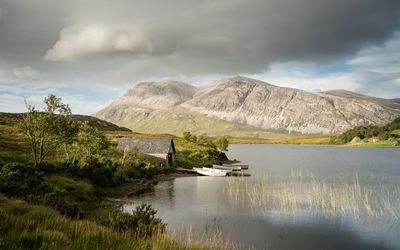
(211, 172)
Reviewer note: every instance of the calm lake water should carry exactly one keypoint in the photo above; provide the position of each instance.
(205, 205)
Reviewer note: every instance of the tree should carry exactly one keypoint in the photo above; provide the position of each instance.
(187, 135)
(47, 131)
(91, 141)
(222, 143)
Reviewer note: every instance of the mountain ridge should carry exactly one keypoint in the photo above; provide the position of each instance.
(248, 102)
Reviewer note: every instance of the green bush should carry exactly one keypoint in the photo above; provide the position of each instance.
(135, 169)
(98, 171)
(18, 179)
(141, 223)
(199, 158)
(57, 199)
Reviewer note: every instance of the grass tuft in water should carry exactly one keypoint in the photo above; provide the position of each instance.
(304, 192)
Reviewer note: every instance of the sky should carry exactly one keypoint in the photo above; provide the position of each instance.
(90, 52)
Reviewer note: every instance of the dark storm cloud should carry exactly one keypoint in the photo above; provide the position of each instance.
(166, 38)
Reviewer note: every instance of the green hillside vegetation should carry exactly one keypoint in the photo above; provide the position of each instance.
(57, 169)
(387, 135)
(12, 118)
(178, 120)
(292, 139)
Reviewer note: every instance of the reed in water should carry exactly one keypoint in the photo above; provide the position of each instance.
(302, 191)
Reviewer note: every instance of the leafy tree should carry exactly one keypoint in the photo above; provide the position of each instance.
(187, 135)
(91, 141)
(49, 130)
(204, 140)
(222, 143)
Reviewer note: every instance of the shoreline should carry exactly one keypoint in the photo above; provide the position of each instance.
(132, 189)
(322, 145)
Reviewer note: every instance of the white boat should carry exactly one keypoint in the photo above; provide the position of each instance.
(211, 172)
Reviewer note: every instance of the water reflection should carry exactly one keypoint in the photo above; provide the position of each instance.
(202, 203)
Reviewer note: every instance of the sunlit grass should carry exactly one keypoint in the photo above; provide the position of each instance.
(212, 238)
(304, 192)
(25, 226)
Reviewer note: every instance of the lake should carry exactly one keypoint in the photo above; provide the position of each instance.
(298, 197)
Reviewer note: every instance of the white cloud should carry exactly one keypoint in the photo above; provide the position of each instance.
(75, 42)
(26, 73)
(372, 71)
(384, 59)
(8, 103)
(302, 77)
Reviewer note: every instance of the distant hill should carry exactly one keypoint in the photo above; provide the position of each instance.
(11, 118)
(390, 130)
(242, 106)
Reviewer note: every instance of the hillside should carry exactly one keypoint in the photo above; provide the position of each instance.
(11, 118)
(241, 106)
(362, 134)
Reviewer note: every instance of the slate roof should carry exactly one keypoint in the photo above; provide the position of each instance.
(148, 145)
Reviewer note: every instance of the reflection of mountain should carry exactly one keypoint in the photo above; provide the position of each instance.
(244, 106)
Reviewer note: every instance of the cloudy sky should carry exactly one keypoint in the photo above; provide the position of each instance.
(90, 52)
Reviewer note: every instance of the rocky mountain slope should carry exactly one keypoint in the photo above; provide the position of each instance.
(244, 106)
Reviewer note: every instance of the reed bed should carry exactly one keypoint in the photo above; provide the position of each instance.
(302, 191)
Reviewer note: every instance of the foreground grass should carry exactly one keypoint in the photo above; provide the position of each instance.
(25, 226)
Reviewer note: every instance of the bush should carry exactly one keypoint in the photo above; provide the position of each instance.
(57, 199)
(18, 179)
(98, 171)
(141, 223)
(134, 169)
(199, 158)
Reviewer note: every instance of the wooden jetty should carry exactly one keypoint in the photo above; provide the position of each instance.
(235, 165)
(238, 174)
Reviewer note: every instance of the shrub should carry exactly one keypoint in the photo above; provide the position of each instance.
(98, 171)
(199, 158)
(57, 199)
(134, 169)
(18, 179)
(141, 223)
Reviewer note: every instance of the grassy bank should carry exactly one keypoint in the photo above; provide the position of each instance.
(61, 203)
(26, 226)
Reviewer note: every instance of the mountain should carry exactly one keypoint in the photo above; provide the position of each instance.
(243, 106)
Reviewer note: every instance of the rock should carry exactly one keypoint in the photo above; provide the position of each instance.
(374, 139)
(356, 140)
